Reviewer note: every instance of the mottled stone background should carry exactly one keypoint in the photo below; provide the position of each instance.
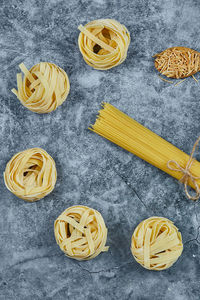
(91, 170)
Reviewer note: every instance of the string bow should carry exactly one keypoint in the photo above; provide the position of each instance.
(187, 175)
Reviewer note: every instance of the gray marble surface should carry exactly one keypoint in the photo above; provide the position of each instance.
(91, 170)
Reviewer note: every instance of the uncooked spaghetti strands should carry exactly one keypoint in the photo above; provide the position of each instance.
(122, 130)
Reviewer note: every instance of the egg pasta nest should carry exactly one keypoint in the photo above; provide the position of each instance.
(44, 87)
(104, 43)
(80, 232)
(31, 174)
(156, 243)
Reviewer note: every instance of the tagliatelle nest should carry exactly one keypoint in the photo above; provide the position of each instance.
(44, 87)
(178, 62)
(80, 232)
(104, 43)
(156, 243)
(31, 174)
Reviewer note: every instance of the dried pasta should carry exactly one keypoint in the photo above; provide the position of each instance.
(156, 243)
(44, 87)
(31, 174)
(178, 62)
(103, 43)
(80, 232)
(122, 130)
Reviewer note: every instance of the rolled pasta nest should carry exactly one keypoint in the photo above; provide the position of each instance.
(178, 62)
(31, 174)
(44, 87)
(104, 43)
(156, 243)
(80, 232)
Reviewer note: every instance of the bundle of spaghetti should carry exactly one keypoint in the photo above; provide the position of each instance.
(44, 87)
(104, 43)
(178, 62)
(31, 174)
(80, 232)
(122, 130)
(156, 243)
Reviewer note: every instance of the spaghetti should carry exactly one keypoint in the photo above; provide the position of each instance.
(80, 232)
(122, 130)
(104, 43)
(156, 243)
(44, 87)
(31, 174)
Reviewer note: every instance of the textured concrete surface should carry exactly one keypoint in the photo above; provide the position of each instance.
(91, 170)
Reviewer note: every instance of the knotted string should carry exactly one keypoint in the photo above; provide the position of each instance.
(187, 175)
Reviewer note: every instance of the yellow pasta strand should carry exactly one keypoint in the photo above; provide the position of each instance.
(122, 130)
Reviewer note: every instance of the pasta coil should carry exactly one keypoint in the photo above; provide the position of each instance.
(103, 43)
(156, 243)
(44, 87)
(80, 232)
(31, 174)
